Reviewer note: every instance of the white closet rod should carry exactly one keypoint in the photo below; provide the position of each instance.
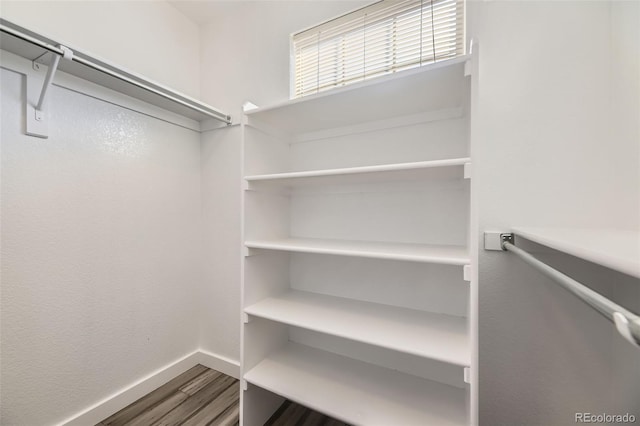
(86, 60)
(627, 323)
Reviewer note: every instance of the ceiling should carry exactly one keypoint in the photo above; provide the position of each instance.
(199, 11)
(203, 11)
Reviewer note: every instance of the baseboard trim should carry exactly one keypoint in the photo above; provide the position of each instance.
(219, 362)
(136, 390)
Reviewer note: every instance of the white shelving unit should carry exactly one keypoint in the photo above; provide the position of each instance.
(359, 236)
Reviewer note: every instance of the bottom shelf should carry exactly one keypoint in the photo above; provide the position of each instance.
(357, 392)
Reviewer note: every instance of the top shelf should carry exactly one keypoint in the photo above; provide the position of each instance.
(615, 249)
(431, 87)
(31, 45)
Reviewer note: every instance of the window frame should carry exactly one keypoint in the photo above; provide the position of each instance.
(373, 7)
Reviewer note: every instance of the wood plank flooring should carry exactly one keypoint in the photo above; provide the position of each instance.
(202, 396)
(292, 414)
(199, 396)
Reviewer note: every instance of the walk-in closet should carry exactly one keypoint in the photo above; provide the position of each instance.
(294, 212)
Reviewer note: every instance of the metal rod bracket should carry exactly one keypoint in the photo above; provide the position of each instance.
(495, 240)
(506, 238)
(36, 112)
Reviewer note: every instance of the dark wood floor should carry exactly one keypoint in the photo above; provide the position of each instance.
(202, 396)
(292, 414)
(199, 396)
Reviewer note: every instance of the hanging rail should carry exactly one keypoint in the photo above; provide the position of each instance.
(627, 323)
(31, 37)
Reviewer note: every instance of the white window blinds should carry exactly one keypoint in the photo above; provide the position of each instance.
(386, 37)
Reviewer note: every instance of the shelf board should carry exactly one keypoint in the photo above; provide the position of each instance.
(615, 249)
(427, 88)
(437, 336)
(448, 168)
(441, 254)
(15, 38)
(357, 392)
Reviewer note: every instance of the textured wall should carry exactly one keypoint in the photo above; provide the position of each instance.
(100, 252)
(147, 37)
(220, 302)
(548, 155)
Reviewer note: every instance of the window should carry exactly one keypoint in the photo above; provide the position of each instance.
(385, 37)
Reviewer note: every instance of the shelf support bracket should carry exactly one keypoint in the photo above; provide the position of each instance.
(468, 65)
(467, 170)
(467, 374)
(37, 117)
(250, 252)
(466, 272)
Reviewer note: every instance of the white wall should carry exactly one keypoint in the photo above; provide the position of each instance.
(545, 100)
(220, 293)
(625, 101)
(101, 222)
(100, 252)
(245, 56)
(549, 154)
(245, 47)
(147, 37)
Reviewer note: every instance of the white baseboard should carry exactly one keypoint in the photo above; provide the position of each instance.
(119, 400)
(218, 362)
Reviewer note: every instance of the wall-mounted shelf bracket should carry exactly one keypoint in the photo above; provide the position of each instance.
(494, 240)
(248, 106)
(36, 116)
(467, 170)
(468, 66)
(248, 252)
(467, 374)
(466, 272)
